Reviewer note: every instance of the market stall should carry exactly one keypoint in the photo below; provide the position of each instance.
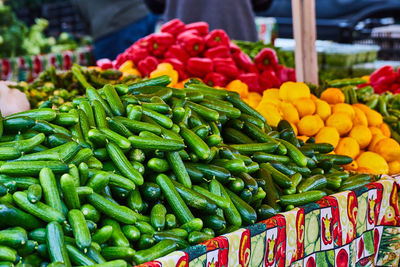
(353, 228)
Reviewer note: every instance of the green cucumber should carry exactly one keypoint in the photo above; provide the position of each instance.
(247, 213)
(315, 182)
(174, 199)
(232, 214)
(113, 100)
(302, 198)
(55, 243)
(156, 143)
(157, 216)
(120, 213)
(79, 229)
(34, 193)
(68, 189)
(117, 237)
(50, 190)
(99, 114)
(118, 139)
(131, 232)
(77, 257)
(280, 178)
(39, 209)
(103, 234)
(125, 167)
(87, 108)
(93, 95)
(196, 237)
(13, 237)
(112, 253)
(162, 248)
(199, 147)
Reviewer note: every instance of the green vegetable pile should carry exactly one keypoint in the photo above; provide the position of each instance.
(58, 88)
(130, 173)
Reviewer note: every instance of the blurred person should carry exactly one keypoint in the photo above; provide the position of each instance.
(115, 24)
(236, 17)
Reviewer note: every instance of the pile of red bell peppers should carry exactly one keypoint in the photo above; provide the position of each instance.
(385, 79)
(194, 51)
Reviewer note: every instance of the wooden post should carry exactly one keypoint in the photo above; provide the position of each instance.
(304, 33)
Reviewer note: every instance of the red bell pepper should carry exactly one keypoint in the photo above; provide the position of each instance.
(383, 77)
(192, 43)
(201, 27)
(104, 64)
(217, 37)
(121, 58)
(251, 79)
(177, 51)
(144, 42)
(234, 48)
(173, 27)
(160, 42)
(215, 79)
(266, 59)
(147, 65)
(199, 67)
(244, 62)
(226, 66)
(285, 74)
(138, 54)
(220, 51)
(268, 79)
(178, 66)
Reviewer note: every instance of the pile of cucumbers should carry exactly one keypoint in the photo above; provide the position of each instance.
(131, 173)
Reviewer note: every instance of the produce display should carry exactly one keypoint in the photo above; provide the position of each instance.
(129, 173)
(56, 88)
(17, 39)
(193, 51)
(353, 129)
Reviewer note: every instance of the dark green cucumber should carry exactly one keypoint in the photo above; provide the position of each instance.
(336, 159)
(27, 144)
(13, 237)
(153, 143)
(157, 216)
(79, 229)
(120, 213)
(118, 139)
(77, 257)
(195, 143)
(34, 193)
(99, 114)
(280, 178)
(131, 232)
(162, 248)
(315, 182)
(234, 136)
(9, 153)
(39, 209)
(55, 244)
(50, 190)
(196, 237)
(46, 114)
(87, 108)
(113, 100)
(117, 237)
(302, 198)
(103, 234)
(125, 167)
(93, 95)
(174, 199)
(68, 189)
(195, 199)
(212, 171)
(112, 253)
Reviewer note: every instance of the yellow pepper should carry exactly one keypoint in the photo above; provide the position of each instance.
(166, 69)
(238, 86)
